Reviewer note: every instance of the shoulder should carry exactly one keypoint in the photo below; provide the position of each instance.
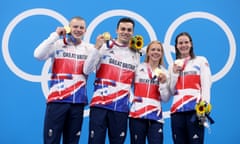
(201, 58)
(162, 67)
(87, 44)
(142, 65)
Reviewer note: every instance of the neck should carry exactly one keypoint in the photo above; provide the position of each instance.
(153, 65)
(76, 41)
(185, 55)
(122, 43)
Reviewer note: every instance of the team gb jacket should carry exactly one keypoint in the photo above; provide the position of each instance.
(115, 68)
(192, 84)
(149, 93)
(67, 81)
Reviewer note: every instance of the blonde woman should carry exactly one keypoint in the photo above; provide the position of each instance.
(150, 89)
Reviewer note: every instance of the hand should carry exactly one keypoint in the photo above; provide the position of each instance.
(176, 68)
(106, 36)
(162, 78)
(99, 42)
(61, 31)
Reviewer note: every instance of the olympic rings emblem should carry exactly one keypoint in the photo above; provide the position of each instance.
(43, 78)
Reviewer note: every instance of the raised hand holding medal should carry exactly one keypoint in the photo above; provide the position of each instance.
(179, 64)
(67, 34)
(106, 36)
(160, 74)
(67, 31)
(108, 39)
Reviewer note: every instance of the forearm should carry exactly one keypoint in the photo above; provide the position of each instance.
(44, 50)
(92, 61)
(206, 82)
(164, 91)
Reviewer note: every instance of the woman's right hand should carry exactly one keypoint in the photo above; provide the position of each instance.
(176, 68)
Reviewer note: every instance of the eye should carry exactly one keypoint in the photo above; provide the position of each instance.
(128, 29)
(180, 43)
(82, 27)
(185, 42)
(156, 49)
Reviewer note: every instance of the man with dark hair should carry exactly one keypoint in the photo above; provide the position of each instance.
(115, 65)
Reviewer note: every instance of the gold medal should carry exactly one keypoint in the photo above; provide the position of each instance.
(67, 29)
(158, 71)
(179, 62)
(106, 36)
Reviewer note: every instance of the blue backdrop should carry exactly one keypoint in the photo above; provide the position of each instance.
(214, 26)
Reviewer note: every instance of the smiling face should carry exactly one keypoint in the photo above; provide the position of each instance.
(124, 32)
(184, 46)
(78, 28)
(154, 53)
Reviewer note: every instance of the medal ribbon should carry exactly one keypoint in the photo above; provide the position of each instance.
(149, 72)
(185, 62)
(71, 38)
(114, 43)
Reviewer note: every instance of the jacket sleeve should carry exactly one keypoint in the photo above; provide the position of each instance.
(164, 88)
(172, 80)
(206, 81)
(92, 61)
(46, 48)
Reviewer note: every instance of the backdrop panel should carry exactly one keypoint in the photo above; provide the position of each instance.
(213, 24)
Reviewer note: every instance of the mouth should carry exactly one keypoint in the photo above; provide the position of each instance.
(78, 34)
(125, 37)
(156, 57)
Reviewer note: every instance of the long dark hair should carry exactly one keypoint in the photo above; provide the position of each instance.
(178, 54)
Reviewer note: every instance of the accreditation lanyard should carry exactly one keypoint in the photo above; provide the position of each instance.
(185, 62)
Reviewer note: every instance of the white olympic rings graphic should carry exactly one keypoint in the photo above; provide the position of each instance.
(43, 78)
(8, 31)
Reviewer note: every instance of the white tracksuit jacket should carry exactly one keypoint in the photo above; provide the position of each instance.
(67, 81)
(190, 85)
(148, 94)
(115, 68)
